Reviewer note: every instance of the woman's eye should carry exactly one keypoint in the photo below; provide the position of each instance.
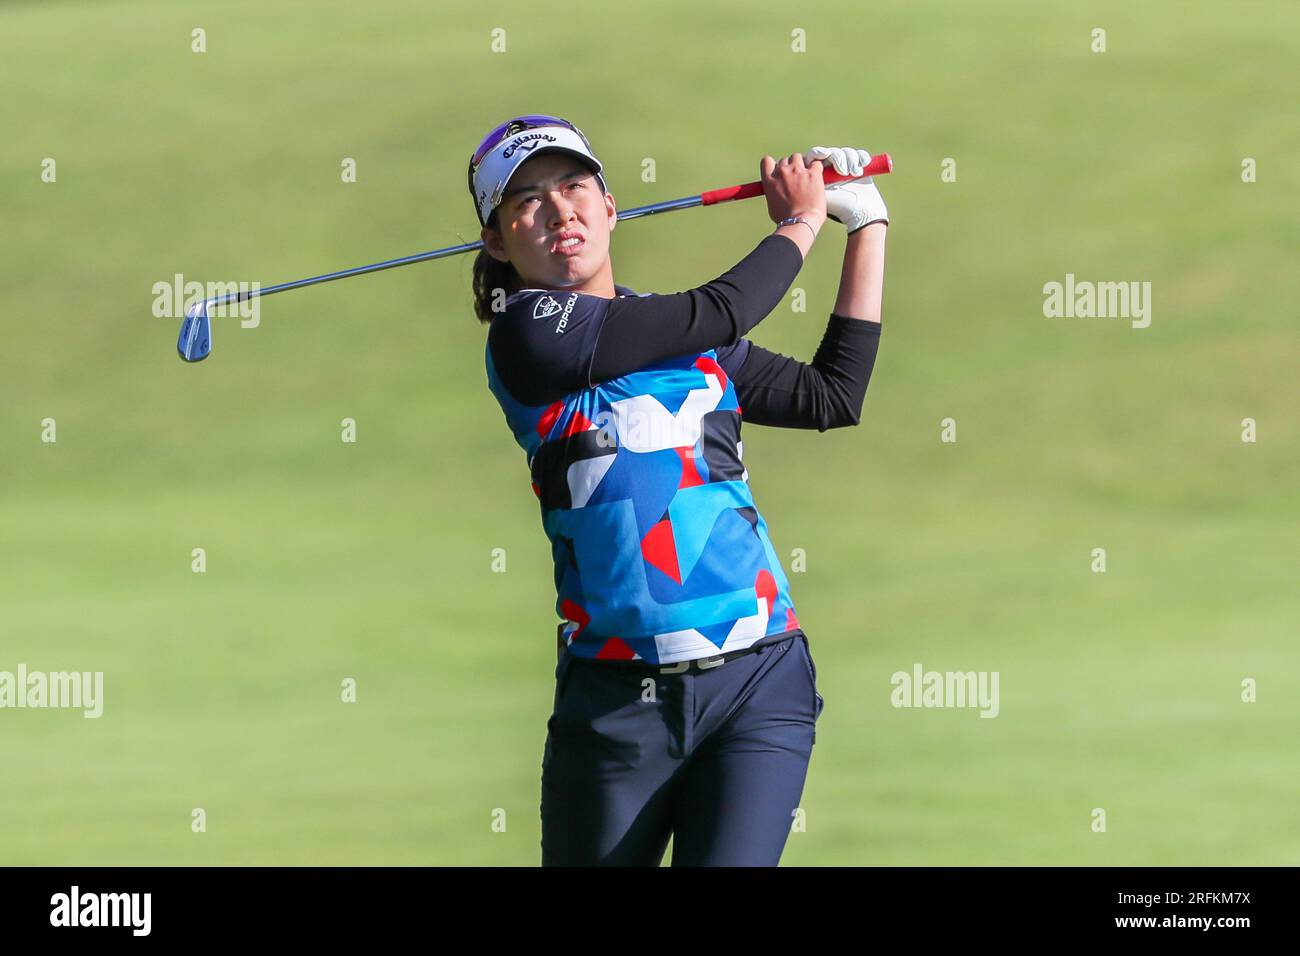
(528, 199)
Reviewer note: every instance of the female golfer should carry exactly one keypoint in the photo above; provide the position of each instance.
(686, 697)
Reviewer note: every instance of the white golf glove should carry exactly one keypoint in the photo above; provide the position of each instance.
(855, 203)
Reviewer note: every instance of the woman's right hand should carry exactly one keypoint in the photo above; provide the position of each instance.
(794, 187)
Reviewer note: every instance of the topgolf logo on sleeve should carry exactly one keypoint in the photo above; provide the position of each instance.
(547, 307)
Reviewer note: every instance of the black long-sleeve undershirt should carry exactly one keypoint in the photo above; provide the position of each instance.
(639, 330)
(772, 389)
(551, 343)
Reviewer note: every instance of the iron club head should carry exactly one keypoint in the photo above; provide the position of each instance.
(195, 341)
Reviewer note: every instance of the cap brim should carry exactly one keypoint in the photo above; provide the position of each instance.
(503, 161)
(585, 160)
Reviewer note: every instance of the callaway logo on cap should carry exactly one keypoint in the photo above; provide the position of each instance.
(515, 142)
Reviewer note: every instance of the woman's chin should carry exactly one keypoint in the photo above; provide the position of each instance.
(569, 274)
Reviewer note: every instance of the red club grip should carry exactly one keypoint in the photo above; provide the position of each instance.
(878, 166)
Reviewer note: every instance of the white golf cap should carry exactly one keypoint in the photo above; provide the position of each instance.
(520, 143)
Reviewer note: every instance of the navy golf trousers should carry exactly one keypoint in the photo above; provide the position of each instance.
(715, 758)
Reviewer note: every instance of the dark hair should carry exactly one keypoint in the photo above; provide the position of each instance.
(489, 275)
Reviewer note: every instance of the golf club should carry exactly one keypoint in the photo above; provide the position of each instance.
(195, 342)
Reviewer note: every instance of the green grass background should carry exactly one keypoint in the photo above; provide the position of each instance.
(372, 561)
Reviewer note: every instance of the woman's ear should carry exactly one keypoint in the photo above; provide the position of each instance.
(493, 245)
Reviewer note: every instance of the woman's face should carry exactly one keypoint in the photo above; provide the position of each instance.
(551, 198)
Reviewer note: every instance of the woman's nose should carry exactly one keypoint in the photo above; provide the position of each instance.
(561, 211)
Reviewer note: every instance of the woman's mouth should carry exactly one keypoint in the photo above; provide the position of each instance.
(570, 246)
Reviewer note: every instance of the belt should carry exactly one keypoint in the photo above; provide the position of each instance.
(703, 663)
(681, 667)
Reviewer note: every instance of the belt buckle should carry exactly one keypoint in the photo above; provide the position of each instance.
(704, 663)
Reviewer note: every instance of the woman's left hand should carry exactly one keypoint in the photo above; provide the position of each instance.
(853, 203)
(846, 160)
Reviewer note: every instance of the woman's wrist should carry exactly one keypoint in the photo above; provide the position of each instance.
(870, 230)
(801, 228)
(796, 222)
(814, 218)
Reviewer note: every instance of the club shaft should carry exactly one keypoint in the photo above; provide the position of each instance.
(879, 164)
(345, 273)
(666, 206)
